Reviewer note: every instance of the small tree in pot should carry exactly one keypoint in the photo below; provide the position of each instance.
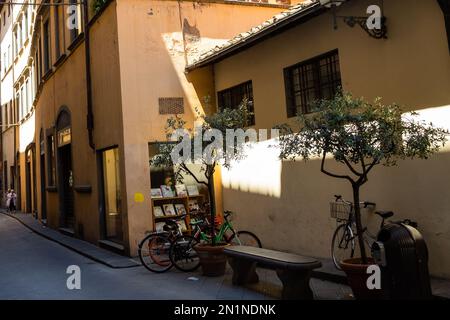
(215, 140)
(360, 136)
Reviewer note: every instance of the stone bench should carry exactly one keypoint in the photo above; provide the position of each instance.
(293, 270)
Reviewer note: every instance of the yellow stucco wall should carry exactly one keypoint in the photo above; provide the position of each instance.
(286, 203)
(153, 37)
(66, 87)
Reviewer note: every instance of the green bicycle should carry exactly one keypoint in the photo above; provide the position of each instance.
(185, 258)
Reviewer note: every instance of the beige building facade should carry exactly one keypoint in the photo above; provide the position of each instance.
(287, 203)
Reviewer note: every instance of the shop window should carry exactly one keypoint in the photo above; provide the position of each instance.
(160, 175)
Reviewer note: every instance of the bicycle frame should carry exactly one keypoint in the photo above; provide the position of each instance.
(202, 236)
(368, 237)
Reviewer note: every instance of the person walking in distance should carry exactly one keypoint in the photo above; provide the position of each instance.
(8, 199)
(11, 201)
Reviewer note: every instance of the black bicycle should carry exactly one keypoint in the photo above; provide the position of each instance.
(344, 238)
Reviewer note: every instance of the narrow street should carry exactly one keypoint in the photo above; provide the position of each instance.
(32, 267)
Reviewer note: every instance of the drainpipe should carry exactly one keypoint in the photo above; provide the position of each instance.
(90, 113)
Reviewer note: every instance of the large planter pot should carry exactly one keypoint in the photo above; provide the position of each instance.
(212, 259)
(357, 279)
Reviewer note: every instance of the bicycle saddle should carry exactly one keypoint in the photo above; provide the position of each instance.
(384, 214)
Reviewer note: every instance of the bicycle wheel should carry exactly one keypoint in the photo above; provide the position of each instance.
(154, 253)
(182, 253)
(245, 238)
(342, 245)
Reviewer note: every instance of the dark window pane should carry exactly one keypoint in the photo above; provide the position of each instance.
(232, 97)
(314, 79)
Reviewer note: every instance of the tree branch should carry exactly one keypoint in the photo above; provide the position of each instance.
(351, 167)
(183, 165)
(322, 168)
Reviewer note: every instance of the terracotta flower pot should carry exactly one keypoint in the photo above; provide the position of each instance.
(212, 259)
(357, 279)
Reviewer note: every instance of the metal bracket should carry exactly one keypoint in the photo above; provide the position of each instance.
(362, 22)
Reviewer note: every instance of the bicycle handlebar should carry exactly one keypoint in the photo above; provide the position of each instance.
(365, 203)
(368, 203)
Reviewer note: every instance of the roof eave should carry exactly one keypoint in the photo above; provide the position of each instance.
(303, 16)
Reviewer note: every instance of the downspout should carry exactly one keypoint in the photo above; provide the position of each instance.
(90, 113)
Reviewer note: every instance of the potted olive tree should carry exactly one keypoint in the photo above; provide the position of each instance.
(358, 135)
(214, 140)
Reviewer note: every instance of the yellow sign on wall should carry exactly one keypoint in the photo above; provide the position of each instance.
(138, 197)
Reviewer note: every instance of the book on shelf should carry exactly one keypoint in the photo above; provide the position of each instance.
(181, 190)
(182, 225)
(156, 193)
(167, 191)
(192, 190)
(158, 211)
(169, 209)
(193, 205)
(180, 209)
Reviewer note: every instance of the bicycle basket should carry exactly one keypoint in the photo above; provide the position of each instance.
(340, 210)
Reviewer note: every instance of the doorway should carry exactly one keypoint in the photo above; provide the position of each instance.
(42, 173)
(28, 200)
(65, 173)
(66, 186)
(111, 196)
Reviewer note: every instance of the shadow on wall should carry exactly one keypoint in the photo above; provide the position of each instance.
(294, 215)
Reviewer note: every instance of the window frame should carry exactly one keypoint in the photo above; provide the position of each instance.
(333, 74)
(46, 45)
(248, 87)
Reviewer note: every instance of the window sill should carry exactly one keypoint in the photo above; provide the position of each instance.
(47, 74)
(83, 188)
(76, 42)
(51, 189)
(60, 60)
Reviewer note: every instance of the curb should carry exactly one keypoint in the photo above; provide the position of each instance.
(80, 252)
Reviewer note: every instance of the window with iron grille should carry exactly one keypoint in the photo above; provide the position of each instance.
(232, 97)
(315, 79)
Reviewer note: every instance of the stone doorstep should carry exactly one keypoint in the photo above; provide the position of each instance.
(440, 287)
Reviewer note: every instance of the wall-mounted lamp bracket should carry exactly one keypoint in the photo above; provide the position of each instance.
(377, 33)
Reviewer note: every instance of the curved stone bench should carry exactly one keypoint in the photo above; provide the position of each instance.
(293, 270)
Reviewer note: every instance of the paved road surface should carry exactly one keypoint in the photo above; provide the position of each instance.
(32, 267)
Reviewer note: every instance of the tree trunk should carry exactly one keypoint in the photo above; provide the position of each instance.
(212, 207)
(359, 228)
